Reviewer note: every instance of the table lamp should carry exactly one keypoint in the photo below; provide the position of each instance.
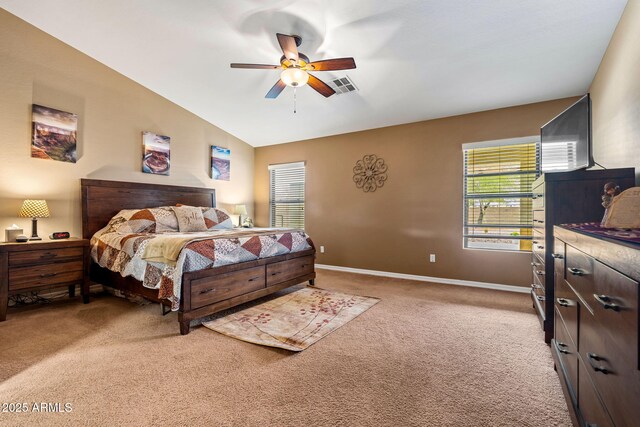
(240, 210)
(34, 209)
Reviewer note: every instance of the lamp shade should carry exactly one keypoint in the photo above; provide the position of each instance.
(294, 77)
(34, 209)
(240, 210)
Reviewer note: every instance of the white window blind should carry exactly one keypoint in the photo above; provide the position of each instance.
(498, 194)
(286, 195)
(560, 156)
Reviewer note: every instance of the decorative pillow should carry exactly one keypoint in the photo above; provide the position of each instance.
(190, 218)
(216, 218)
(131, 221)
(154, 220)
(166, 219)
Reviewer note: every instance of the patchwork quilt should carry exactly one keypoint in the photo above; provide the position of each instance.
(124, 253)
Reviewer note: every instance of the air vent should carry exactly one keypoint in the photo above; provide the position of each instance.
(343, 85)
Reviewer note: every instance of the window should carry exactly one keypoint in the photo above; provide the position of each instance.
(286, 195)
(497, 193)
(559, 156)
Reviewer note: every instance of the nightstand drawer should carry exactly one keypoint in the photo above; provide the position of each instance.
(44, 256)
(46, 274)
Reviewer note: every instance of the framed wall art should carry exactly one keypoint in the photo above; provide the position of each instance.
(54, 134)
(156, 158)
(220, 163)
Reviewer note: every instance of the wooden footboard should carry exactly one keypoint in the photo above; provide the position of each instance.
(206, 292)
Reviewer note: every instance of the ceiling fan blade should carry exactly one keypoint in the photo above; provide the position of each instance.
(332, 64)
(256, 66)
(289, 47)
(275, 90)
(321, 87)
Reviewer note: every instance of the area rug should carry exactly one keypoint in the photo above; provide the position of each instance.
(293, 321)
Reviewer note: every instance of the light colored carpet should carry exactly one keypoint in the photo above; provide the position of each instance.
(428, 355)
(293, 321)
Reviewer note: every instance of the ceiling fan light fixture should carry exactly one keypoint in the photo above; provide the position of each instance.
(294, 77)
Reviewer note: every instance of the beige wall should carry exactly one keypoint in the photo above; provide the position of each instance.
(419, 209)
(113, 111)
(615, 96)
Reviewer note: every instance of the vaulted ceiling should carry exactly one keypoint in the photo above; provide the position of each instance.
(416, 59)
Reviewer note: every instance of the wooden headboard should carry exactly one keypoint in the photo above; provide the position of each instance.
(101, 200)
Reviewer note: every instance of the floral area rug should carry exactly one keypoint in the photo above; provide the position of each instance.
(293, 321)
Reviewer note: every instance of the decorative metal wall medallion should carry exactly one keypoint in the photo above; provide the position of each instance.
(370, 173)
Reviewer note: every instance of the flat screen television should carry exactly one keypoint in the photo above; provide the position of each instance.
(565, 142)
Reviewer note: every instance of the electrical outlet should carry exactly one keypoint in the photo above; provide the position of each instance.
(432, 258)
(321, 249)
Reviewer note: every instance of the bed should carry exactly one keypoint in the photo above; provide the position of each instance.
(203, 292)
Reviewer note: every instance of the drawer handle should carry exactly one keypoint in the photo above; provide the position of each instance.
(606, 302)
(540, 273)
(535, 242)
(254, 278)
(206, 291)
(277, 272)
(575, 271)
(536, 286)
(563, 302)
(44, 275)
(535, 264)
(557, 256)
(540, 297)
(562, 350)
(598, 368)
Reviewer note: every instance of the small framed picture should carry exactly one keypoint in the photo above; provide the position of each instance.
(156, 158)
(220, 163)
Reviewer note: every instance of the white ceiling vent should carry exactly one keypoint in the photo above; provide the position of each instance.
(343, 85)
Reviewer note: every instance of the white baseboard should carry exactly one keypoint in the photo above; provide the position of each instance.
(485, 285)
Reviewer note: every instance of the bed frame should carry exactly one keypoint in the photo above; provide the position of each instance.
(204, 292)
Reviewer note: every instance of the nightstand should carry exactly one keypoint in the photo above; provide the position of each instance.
(38, 265)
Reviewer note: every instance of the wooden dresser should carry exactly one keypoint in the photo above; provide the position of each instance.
(595, 347)
(34, 266)
(561, 198)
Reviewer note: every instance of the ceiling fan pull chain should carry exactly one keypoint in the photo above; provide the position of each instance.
(294, 101)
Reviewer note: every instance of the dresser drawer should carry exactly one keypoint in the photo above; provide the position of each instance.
(44, 274)
(538, 220)
(538, 244)
(538, 197)
(567, 354)
(538, 271)
(579, 273)
(538, 288)
(566, 305)
(279, 272)
(210, 290)
(612, 365)
(538, 291)
(44, 256)
(589, 404)
(536, 263)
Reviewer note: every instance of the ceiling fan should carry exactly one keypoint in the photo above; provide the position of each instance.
(296, 66)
